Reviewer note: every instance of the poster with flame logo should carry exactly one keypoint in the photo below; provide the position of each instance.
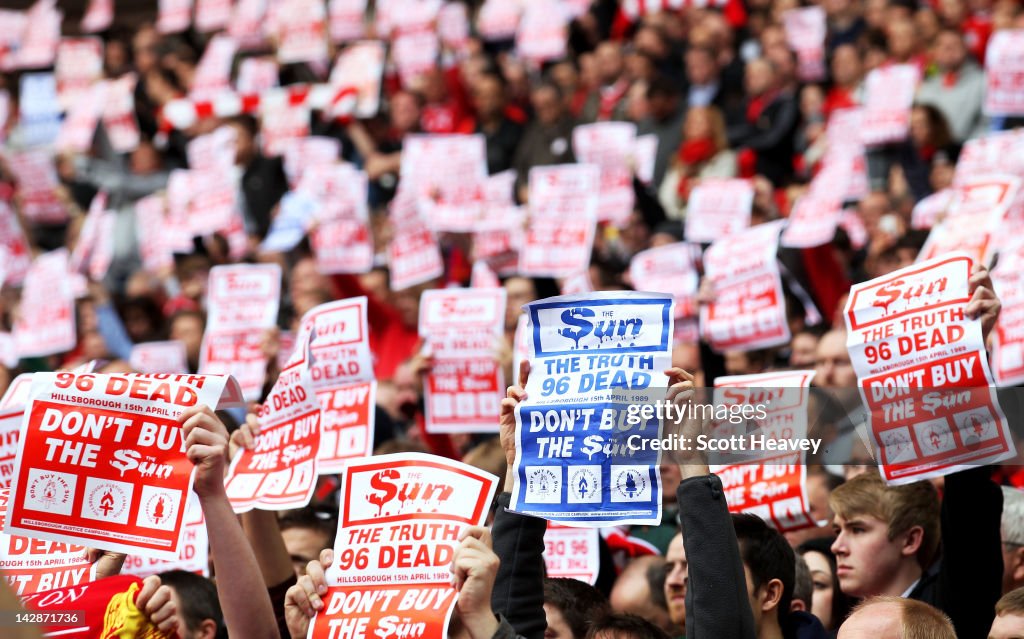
(923, 372)
(401, 517)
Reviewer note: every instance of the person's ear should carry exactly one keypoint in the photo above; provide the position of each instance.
(1017, 561)
(912, 540)
(207, 629)
(771, 595)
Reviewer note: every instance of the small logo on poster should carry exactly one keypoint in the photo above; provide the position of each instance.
(543, 485)
(631, 483)
(158, 508)
(106, 500)
(585, 485)
(49, 491)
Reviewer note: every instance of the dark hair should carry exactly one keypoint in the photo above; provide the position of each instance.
(619, 626)
(841, 602)
(662, 86)
(579, 603)
(321, 520)
(767, 555)
(198, 597)
(939, 134)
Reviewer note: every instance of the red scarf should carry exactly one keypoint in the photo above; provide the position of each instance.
(609, 98)
(758, 104)
(692, 155)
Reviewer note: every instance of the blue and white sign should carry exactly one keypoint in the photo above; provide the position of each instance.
(580, 458)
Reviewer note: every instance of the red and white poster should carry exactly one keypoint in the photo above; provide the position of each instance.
(45, 322)
(1001, 152)
(301, 30)
(414, 52)
(562, 220)
(79, 65)
(923, 372)
(13, 247)
(931, 209)
(36, 182)
(453, 26)
(543, 32)
(213, 73)
(361, 66)
(79, 125)
(812, 222)
(341, 373)
(805, 34)
(718, 209)
(977, 213)
(346, 19)
(41, 36)
(446, 174)
(609, 145)
(482, 276)
(194, 555)
(461, 329)
(242, 303)
(343, 245)
(414, 256)
(119, 114)
(1004, 73)
(1008, 342)
(645, 153)
(159, 357)
(101, 459)
(572, 553)
(771, 485)
(256, 75)
(99, 14)
(401, 517)
(302, 154)
(173, 16)
(212, 15)
(37, 565)
(498, 19)
(281, 123)
(888, 95)
(156, 253)
(749, 310)
(280, 471)
(668, 269)
(10, 425)
(16, 395)
(248, 23)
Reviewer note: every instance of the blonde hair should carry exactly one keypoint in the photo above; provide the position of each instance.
(716, 122)
(900, 507)
(918, 620)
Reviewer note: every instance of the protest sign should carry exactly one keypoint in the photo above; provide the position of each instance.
(482, 276)
(154, 250)
(10, 425)
(38, 46)
(159, 357)
(563, 214)
(401, 517)
(414, 53)
(119, 114)
(173, 16)
(247, 25)
(609, 145)
(16, 395)
(572, 553)
(242, 302)
(79, 125)
(805, 34)
(930, 209)
(812, 222)
(1008, 345)
(282, 123)
(279, 472)
(87, 234)
(1004, 73)
(361, 65)
(669, 269)
(194, 555)
(498, 19)
(213, 73)
(341, 374)
(101, 459)
(718, 208)
(461, 329)
(45, 323)
(35, 565)
(301, 154)
(414, 256)
(79, 64)
(542, 33)
(583, 454)
(212, 15)
(36, 180)
(256, 75)
(999, 152)
(978, 210)
(16, 257)
(749, 310)
(346, 19)
(99, 14)
(578, 284)
(923, 372)
(301, 30)
(453, 26)
(343, 245)
(770, 484)
(645, 153)
(888, 96)
(446, 175)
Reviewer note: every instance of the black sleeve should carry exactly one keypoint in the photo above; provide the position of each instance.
(277, 594)
(519, 586)
(971, 573)
(782, 125)
(716, 596)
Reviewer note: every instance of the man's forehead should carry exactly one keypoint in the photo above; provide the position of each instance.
(862, 518)
(676, 550)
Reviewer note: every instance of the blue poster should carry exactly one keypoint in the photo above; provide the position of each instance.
(581, 456)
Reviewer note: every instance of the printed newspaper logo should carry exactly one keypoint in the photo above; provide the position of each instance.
(393, 497)
(583, 326)
(50, 492)
(585, 485)
(543, 485)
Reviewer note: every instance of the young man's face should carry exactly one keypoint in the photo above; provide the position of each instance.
(867, 560)
(675, 581)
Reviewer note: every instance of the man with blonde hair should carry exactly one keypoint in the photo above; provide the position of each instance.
(1013, 538)
(896, 618)
(887, 543)
(1009, 621)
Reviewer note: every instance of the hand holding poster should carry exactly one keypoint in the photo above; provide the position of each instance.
(582, 453)
(401, 518)
(749, 310)
(923, 372)
(718, 208)
(774, 485)
(101, 459)
(461, 329)
(242, 302)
